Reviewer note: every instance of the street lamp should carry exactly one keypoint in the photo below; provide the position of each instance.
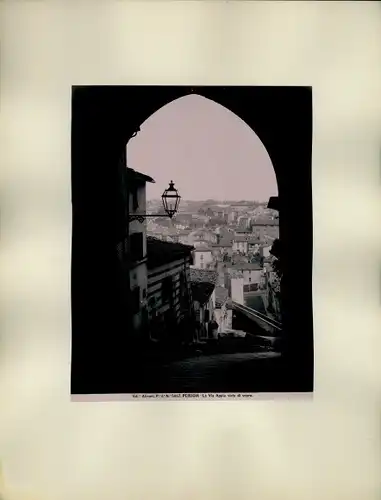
(171, 201)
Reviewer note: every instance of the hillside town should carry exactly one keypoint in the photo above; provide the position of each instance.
(186, 269)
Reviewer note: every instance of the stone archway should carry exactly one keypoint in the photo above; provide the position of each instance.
(103, 120)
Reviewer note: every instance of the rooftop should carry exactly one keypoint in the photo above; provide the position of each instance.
(216, 221)
(138, 176)
(163, 252)
(201, 291)
(246, 266)
(201, 232)
(222, 244)
(202, 248)
(182, 217)
(248, 238)
(203, 276)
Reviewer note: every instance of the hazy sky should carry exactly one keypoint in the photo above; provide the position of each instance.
(205, 149)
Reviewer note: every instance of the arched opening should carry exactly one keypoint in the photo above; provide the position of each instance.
(212, 154)
(103, 120)
(208, 149)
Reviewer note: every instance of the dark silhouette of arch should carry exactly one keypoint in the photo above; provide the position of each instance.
(103, 120)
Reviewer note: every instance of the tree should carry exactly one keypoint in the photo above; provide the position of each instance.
(277, 268)
(276, 252)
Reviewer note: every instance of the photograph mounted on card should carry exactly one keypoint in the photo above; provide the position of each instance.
(192, 242)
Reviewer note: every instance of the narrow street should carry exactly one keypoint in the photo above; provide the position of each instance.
(237, 372)
(216, 372)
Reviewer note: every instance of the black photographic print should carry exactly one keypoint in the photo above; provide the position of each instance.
(192, 242)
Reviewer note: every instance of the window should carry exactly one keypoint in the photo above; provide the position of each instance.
(249, 280)
(206, 316)
(136, 247)
(202, 265)
(135, 300)
(202, 256)
(167, 289)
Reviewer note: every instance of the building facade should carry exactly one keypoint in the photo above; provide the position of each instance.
(222, 250)
(265, 228)
(236, 288)
(201, 236)
(169, 296)
(245, 244)
(157, 272)
(265, 251)
(137, 244)
(251, 277)
(203, 257)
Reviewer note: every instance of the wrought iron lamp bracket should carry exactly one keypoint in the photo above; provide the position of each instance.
(139, 218)
(142, 217)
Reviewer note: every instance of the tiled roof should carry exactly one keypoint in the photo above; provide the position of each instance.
(249, 238)
(239, 238)
(221, 295)
(202, 291)
(163, 252)
(227, 238)
(200, 232)
(215, 221)
(181, 217)
(246, 266)
(236, 274)
(202, 248)
(138, 176)
(203, 275)
(223, 244)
